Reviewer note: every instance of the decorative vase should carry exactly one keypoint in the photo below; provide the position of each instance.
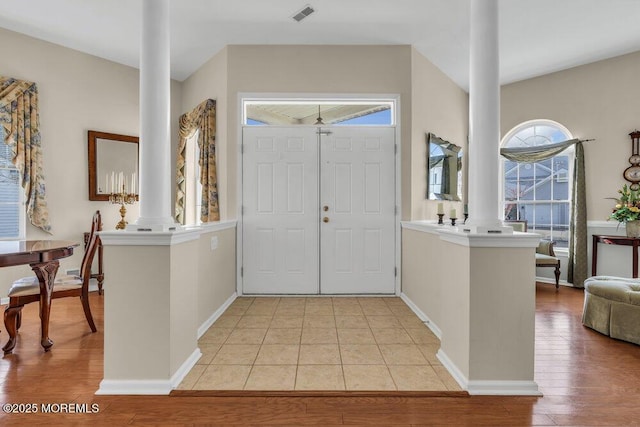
(633, 228)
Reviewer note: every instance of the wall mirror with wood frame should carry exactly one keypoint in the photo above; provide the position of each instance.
(110, 156)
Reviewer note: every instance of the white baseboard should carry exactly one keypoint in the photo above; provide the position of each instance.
(207, 323)
(186, 366)
(504, 388)
(425, 319)
(456, 373)
(149, 387)
(488, 388)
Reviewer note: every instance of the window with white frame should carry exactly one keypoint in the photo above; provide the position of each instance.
(290, 112)
(193, 185)
(539, 192)
(11, 198)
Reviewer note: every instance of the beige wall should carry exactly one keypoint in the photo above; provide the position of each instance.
(183, 290)
(217, 272)
(313, 69)
(77, 93)
(502, 313)
(436, 278)
(210, 82)
(422, 273)
(430, 101)
(455, 304)
(439, 106)
(149, 308)
(598, 100)
(136, 310)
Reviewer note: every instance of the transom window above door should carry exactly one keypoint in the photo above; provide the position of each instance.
(539, 192)
(318, 112)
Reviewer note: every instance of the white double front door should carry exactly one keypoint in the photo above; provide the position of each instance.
(318, 210)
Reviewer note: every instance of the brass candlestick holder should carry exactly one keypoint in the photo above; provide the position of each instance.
(123, 198)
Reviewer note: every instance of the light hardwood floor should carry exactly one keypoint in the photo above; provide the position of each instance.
(586, 378)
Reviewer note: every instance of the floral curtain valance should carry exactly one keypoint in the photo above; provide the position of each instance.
(577, 268)
(20, 118)
(202, 118)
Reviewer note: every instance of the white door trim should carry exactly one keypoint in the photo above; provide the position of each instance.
(281, 237)
(244, 96)
(357, 189)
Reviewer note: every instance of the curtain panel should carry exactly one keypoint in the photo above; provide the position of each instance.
(202, 118)
(577, 266)
(19, 116)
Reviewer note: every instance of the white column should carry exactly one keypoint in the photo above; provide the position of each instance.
(484, 117)
(155, 108)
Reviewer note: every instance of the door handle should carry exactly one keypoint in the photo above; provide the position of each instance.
(325, 208)
(325, 219)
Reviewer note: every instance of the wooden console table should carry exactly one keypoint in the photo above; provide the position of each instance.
(615, 240)
(100, 274)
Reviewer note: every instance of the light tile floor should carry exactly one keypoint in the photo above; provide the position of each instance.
(319, 343)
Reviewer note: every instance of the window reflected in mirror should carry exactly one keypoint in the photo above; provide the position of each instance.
(444, 169)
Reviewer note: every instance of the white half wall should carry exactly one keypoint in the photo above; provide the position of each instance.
(478, 291)
(150, 321)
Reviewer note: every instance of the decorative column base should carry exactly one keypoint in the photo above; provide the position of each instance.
(154, 227)
(485, 229)
(163, 224)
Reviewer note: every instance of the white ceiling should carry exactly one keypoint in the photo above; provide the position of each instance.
(536, 36)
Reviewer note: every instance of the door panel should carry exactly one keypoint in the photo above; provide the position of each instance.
(287, 248)
(357, 244)
(280, 204)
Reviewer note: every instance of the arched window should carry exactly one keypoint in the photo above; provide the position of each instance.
(539, 192)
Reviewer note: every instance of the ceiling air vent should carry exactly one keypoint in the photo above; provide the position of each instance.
(306, 11)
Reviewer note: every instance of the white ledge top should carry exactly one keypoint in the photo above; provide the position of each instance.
(208, 227)
(161, 238)
(425, 226)
(451, 234)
